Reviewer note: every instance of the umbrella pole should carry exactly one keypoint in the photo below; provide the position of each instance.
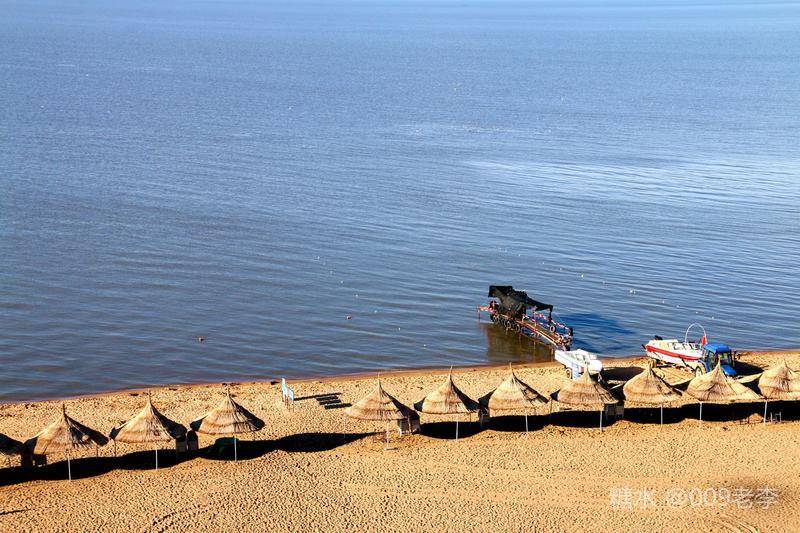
(235, 451)
(526, 421)
(601, 420)
(69, 468)
(156, 448)
(662, 415)
(701, 413)
(765, 411)
(456, 427)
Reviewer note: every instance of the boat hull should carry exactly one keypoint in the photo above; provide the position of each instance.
(577, 361)
(682, 354)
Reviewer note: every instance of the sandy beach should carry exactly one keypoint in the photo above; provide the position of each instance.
(308, 471)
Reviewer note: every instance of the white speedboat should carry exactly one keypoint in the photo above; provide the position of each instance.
(676, 352)
(578, 360)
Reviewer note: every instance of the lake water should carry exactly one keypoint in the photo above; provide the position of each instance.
(255, 172)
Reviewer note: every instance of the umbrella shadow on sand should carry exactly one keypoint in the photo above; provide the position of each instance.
(515, 423)
(144, 459)
(222, 449)
(86, 467)
(621, 373)
(652, 415)
(580, 419)
(82, 467)
(446, 430)
(731, 413)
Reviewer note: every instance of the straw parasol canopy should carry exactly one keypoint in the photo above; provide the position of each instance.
(64, 435)
(379, 405)
(511, 395)
(585, 391)
(228, 418)
(780, 383)
(649, 388)
(716, 387)
(447, 400)
(147, 427)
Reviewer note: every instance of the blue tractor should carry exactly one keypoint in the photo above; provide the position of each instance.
(716, 353)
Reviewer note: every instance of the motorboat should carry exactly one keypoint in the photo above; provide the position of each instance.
(697, 356)
(518, 312)
(578, 360)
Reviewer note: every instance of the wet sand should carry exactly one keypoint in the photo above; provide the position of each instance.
(309, 471)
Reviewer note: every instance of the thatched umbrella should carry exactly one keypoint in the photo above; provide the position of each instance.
(9, 447)
(585, 391)
(447, 399)
(148, 427)
(716, 387)
(779, 383)
(380, 406)
(228, 418)
(64, 435)
(648, 388)
(513, 395)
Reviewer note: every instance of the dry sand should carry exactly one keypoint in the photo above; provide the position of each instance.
(301, 474)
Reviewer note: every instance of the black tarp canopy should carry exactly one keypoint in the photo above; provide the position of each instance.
(516, 301)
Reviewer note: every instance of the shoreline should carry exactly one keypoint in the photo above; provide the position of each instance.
(360, 376)
(337, 473)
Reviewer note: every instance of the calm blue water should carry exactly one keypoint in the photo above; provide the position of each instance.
(254, 172)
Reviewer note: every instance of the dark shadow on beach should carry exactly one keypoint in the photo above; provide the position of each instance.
(736, 413)
(15, 511)
(516, 423)
(222, 449)
(447, 430)
(747, 369)
(329, 400)
(621, 373)
(782, 411)
(139, 459)
(82, 468)
(579, 419)
(652, 415)
(325, 396)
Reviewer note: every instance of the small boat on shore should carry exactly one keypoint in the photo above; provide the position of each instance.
(699, 356)
(518, 312)
(578, 360)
